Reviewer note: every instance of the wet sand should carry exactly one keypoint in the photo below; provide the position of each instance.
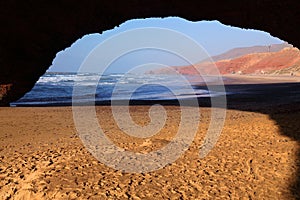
(256, 156)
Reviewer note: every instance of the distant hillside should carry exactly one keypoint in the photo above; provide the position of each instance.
(286, 61)
(237, 52)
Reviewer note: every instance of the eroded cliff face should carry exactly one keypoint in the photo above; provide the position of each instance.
(283, 62)
(32, 32)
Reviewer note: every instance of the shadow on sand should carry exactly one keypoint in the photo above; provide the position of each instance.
(280, 101)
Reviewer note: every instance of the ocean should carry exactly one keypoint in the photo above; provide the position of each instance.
(57, 88)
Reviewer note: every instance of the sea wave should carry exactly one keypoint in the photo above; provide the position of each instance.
(54, 88)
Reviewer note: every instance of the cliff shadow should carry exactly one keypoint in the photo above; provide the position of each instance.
(280, 101)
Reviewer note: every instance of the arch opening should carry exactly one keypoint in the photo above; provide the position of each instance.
(268, 49)
(224, 45)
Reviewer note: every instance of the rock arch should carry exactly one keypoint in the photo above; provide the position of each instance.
(32, 32)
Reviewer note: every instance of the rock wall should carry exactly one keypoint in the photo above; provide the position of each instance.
(33, 31)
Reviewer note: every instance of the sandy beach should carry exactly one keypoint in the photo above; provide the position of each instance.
(256, 156)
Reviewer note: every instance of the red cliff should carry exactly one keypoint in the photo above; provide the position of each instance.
(286, 61)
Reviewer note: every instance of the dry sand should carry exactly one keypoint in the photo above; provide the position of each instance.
(256, 157)
(246, 79)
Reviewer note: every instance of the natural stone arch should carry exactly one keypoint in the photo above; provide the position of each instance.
(34, 31)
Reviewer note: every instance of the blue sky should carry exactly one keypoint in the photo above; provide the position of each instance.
(213, 36)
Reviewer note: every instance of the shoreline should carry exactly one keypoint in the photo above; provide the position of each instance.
(251, 87)
(257, 153)
(259, 79)
(251, 95)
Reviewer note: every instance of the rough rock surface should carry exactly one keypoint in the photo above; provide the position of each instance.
(32, 32)
(284, 62)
